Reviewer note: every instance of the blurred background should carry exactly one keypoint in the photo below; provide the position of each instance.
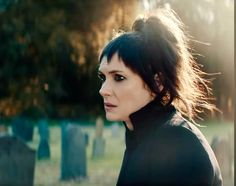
(48, 69)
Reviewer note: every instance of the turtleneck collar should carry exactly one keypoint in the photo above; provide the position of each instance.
(146, 120)
(153, 111)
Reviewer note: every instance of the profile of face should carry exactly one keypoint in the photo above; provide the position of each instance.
(123, 91)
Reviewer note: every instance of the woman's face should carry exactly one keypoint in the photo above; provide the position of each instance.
(123, 91)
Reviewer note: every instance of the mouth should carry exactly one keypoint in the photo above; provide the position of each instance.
(109, 106)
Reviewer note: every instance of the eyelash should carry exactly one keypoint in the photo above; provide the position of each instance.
(116, 77)
(101, 77)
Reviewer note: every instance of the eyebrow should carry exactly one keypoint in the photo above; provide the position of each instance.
(112, 71)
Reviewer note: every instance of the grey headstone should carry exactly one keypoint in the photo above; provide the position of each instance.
(222, 150)
(23, 128)
(43, 148)
(99, 127)
(98, 147)
(86, 136)
(43, 129)
(98, 142)
(3, 130)
(115, 130)
(17, 162)
(73, 159)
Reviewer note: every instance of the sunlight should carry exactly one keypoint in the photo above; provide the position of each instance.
(146, 5)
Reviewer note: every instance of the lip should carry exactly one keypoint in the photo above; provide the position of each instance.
(109, 106)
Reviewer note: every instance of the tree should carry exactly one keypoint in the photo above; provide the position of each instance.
(49, 51)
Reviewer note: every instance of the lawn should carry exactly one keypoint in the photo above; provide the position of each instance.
(103, 171)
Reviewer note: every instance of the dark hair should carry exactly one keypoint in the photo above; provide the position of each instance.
(158, 46)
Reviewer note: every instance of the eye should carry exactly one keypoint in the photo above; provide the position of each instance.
(102, 77)
(118, 77)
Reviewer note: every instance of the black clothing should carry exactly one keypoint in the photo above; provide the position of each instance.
(165, 149)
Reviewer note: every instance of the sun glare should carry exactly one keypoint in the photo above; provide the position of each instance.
(146, 5)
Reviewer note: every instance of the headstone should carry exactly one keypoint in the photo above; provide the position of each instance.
(3, 130)
(98, 147)
(23, 129)
(86, 136)
(43, 148)
(115, 130)
(43, 129)
(222, 150)
(17, 162)
(99, 141)
(73, 159)
(99, 127)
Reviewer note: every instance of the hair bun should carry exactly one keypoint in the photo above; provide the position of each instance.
(138, 25)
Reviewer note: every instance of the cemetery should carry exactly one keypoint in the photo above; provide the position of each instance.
(69, 155)
(51, 129)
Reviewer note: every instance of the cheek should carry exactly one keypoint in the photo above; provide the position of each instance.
(126, 103)
(134, 98)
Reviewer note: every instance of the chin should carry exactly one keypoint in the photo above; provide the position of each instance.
(112, 118)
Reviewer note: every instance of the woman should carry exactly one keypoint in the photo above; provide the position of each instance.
(150, 81)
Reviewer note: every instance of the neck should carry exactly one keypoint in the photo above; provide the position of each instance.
(129, 125)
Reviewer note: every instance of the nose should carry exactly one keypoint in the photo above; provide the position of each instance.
(105, 90)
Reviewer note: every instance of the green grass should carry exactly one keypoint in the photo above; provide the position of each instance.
(103, 171)
(217, 129)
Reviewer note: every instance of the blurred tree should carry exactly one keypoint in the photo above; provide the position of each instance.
(49, 51)
(31, 37)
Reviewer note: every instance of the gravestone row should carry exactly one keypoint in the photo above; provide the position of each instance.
(73, 149)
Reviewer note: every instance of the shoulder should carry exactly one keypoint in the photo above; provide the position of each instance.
(179, 138)
(184, 143)
(181, 148)
(184, 135)
(179, 127)
(181, 151)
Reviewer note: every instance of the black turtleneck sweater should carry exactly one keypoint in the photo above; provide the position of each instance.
(165, 149)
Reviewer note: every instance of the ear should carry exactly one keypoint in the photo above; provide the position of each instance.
(158, 79)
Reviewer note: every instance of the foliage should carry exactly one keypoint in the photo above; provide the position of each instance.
(49, 50)
(49, 53)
